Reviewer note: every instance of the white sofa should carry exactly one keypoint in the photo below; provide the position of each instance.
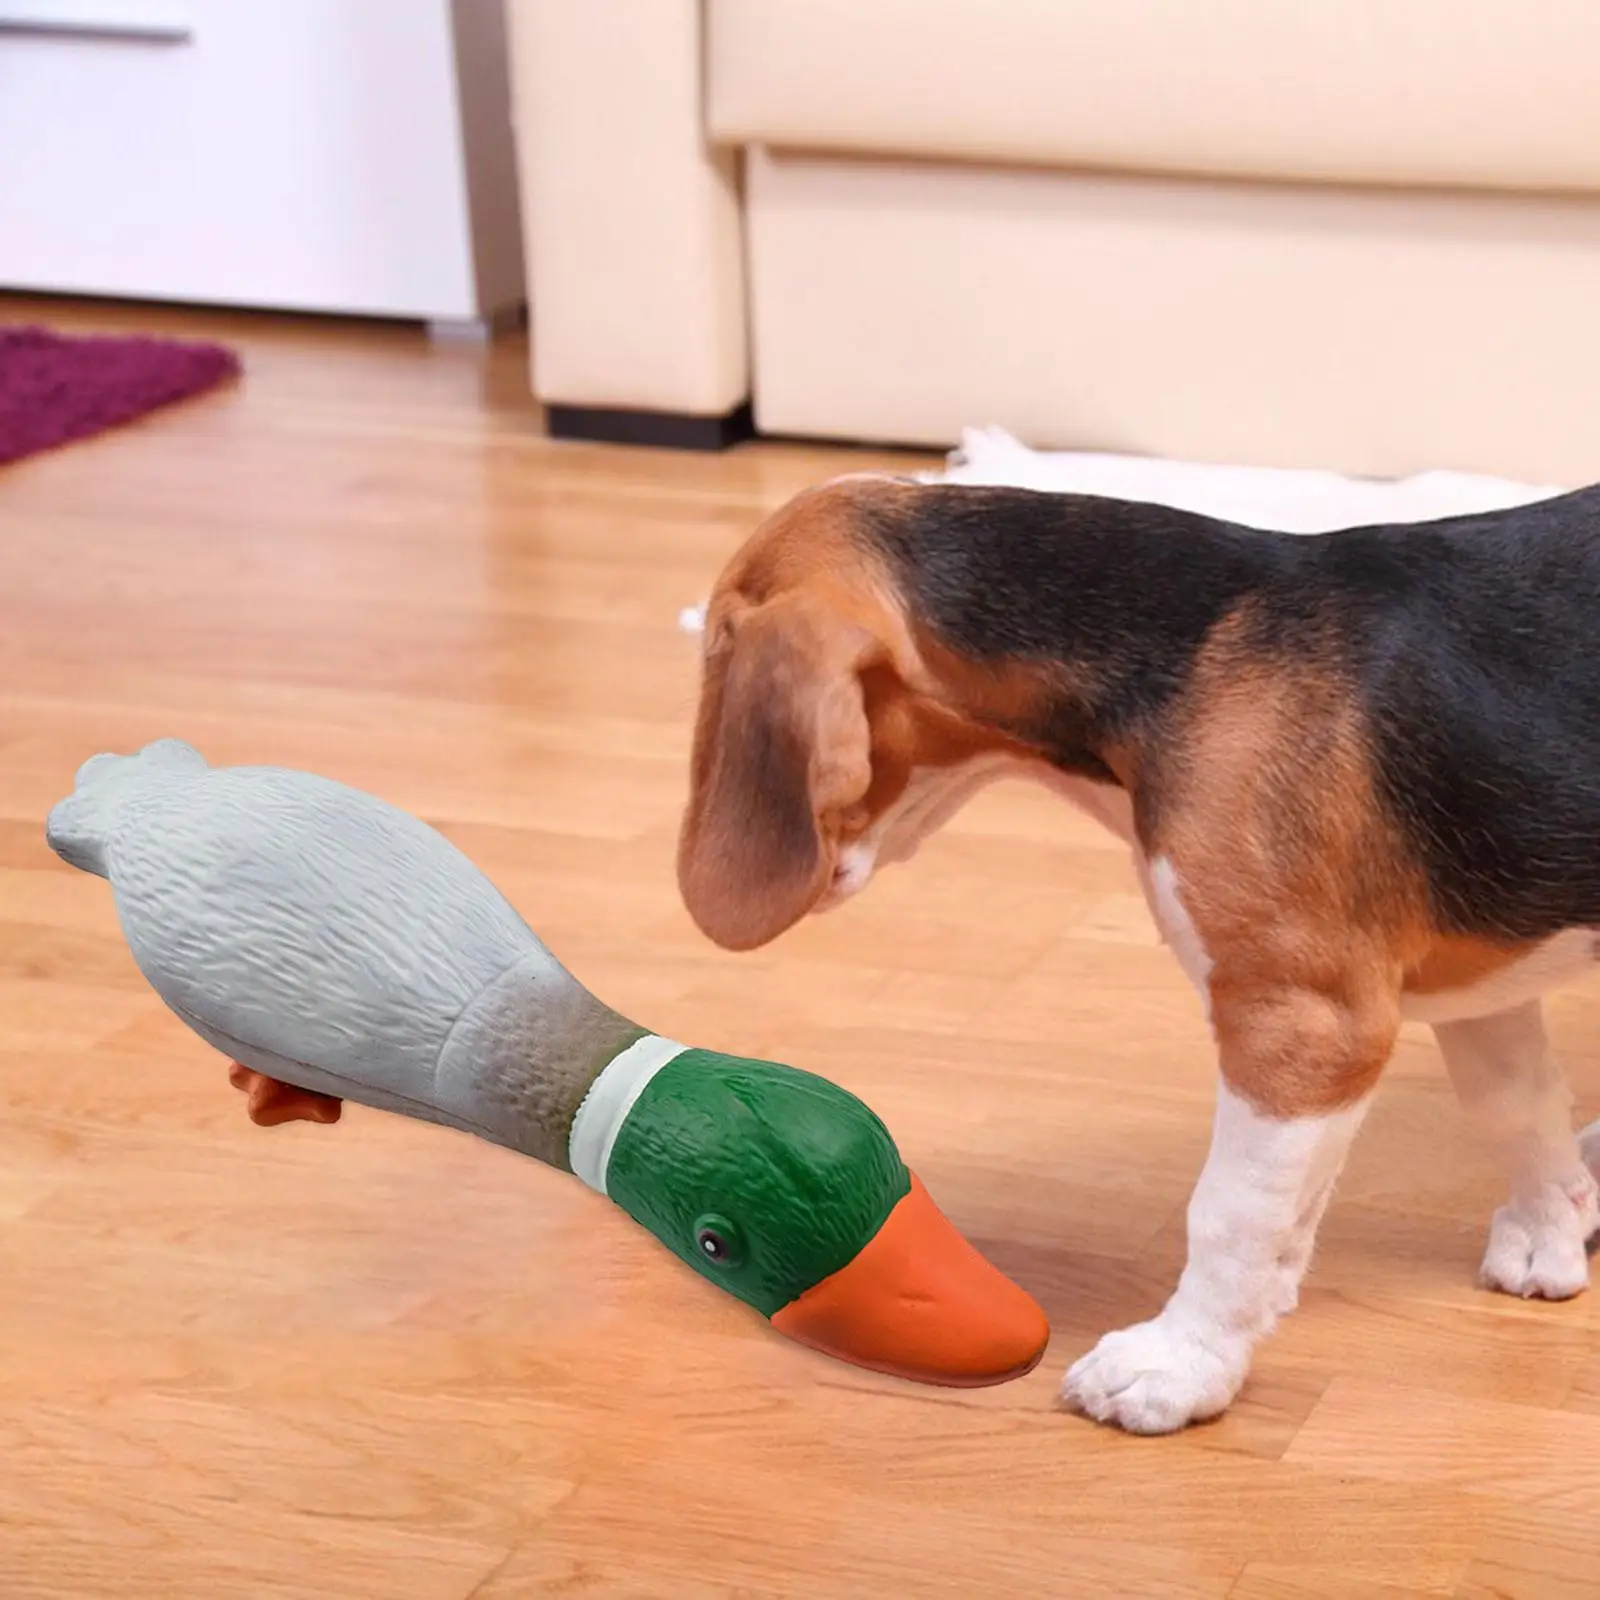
(1353, 234)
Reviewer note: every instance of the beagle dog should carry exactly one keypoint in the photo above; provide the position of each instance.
(1360, 775)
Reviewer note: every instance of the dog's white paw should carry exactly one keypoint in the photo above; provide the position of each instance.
(1536, 1248)
(1154, 1378)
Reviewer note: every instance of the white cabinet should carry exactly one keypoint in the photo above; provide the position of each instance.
(326, 155)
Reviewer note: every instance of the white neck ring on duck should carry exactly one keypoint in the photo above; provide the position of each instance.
(612, 1095)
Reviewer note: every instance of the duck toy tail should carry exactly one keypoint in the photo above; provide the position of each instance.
(335, 947)
(78, 828)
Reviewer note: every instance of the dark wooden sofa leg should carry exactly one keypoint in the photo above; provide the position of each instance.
(667, 430)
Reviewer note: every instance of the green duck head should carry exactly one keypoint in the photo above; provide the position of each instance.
(789, 1193)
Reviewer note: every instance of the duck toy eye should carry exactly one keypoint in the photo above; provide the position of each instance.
(716, 1240)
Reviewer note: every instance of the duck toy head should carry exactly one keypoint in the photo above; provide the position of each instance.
(336, 947)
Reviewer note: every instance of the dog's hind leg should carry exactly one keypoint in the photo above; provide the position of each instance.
(1589, 1149)
(1513, 1090)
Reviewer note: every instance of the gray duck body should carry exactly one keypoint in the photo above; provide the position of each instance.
(328, 939)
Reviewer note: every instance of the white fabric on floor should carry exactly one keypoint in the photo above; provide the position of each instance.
(1261, 497)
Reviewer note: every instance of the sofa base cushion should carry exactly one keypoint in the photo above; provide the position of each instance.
(1368, 332)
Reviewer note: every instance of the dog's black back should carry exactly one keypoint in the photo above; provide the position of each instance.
(1468, 643)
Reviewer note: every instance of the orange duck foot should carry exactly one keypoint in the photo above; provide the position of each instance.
(272, 1102)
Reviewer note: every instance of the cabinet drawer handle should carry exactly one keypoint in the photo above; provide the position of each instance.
(153, 23)
(154, 33)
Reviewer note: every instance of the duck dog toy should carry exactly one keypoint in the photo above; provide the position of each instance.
(335, 947)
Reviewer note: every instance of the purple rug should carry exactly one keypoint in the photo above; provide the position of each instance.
(54, 389)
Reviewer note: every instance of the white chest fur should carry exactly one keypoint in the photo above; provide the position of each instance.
(1159, 879)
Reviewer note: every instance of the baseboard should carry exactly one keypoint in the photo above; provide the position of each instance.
(664, 430)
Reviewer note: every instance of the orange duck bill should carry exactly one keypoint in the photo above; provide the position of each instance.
(920, 1302)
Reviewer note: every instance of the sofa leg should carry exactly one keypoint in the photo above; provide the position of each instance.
(667, 430)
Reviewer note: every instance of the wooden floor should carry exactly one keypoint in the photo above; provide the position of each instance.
(383, 1360)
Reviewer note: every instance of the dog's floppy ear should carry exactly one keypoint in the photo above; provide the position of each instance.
(781, 747)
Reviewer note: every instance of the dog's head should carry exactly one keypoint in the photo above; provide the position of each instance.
(835, 730)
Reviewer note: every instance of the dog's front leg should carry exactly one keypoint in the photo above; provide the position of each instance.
(1297, 1072)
